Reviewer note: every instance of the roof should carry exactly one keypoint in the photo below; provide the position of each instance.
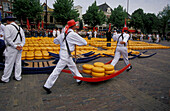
(104, 7)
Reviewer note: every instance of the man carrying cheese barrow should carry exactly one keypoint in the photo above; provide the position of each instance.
(67, 41)
(121, 48)
(14, 41)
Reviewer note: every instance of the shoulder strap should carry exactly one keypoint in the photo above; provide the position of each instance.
(68, 49)
(119, 37)
(17, 33)
(65, 35)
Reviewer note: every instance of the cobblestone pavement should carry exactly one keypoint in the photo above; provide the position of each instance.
(145, 88)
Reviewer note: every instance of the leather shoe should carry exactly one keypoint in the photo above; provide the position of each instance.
(129, 68)
(15, 79)
(79, 83)
(47, 90)
(2, 81)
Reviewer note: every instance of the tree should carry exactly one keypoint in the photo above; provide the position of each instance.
(164, 16)
(151, 22)
(23, 9)
(94, 16)
(118, 17)
(64, 11)
(137, 19)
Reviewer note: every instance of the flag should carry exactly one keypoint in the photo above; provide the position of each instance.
(93, 29)
(96, 28)
(28, 24)
(125, 22)
(109, 26)
(42, 24)
(38, 25)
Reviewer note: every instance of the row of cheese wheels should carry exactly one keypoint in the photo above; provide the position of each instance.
(98, 69)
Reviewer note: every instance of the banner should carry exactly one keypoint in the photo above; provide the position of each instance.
(109, 27)
(42, 24)
(28, 24)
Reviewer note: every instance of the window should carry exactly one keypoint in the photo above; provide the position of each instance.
(6, 6)
(51, 19)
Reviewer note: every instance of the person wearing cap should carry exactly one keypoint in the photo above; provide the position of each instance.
(121, 49)
(67, 41)
(14, 40)
(2, 43)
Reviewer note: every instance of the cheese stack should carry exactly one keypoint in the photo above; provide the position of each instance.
(38, 55)
(87, 68)
(98, 70)
(109, 69)
(30, 55)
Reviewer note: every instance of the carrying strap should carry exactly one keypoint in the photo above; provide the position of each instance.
(68, 49)
(17, 33)
(119, 38)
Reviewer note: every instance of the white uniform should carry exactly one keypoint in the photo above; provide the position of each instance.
(54, 33)
(72, 39)
(58, 32)
(150, 37)
(12, 55)
(141, 37)
(157, 38)
(2, 27)
(121, 49)
(95, 34)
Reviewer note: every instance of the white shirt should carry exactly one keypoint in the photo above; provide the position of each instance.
(2, 27)
(58, 32)
(116, 37)
(54, 33)
(72, 40)
(157, 36)
(10, 34)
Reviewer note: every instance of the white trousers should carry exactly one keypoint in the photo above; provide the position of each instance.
(120, 51)
(63, 61)
(12, 56)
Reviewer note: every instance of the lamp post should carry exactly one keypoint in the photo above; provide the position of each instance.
(127, 6)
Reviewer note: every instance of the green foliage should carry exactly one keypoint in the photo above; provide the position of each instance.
(164, 16)
(118, 17)
(63, 11)
(23, 9)
(151, 22)
(137, 19)
(94, 16)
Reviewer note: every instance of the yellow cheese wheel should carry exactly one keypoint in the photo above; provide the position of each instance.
(98, 69)
(110, 72)
(95, 74)
(87, 71)
(98, 64)
(87, 66)
(108, 67)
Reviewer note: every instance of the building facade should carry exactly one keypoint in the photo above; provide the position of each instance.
(79, 9)
(6, 7)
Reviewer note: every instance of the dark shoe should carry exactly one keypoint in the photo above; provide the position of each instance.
(2, 81)
(79, 83)
(47, 90)
(129, 68)
(15, 79)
